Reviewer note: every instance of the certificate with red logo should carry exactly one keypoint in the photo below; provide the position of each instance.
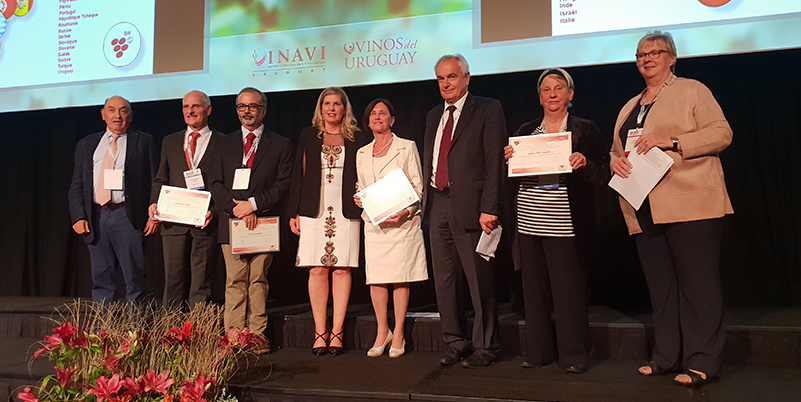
(541, 154)
(181, 205)
(388, 196)
(264, 238)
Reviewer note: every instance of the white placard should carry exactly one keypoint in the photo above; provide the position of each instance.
(181, 205)
(264, 238)
(541, 154)
(387, 196)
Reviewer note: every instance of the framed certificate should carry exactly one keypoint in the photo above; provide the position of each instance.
(181, 205)
(264, 238)
(541, 154)
(387, 196)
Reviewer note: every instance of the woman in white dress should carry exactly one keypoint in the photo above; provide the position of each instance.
(394, 251)
(325, 216)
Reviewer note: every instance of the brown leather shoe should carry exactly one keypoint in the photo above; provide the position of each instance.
(263, 348)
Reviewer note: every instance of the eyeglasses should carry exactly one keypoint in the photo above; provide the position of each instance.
(253, 107)
(653, 55)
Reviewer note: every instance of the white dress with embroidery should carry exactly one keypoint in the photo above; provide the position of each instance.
(329, 239)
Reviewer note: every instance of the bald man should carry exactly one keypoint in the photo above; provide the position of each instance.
(188, 248)
(108, 200)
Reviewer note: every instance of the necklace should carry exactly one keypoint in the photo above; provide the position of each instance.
(382, 149)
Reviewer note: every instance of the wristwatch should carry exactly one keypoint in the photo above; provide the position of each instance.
(675, 144)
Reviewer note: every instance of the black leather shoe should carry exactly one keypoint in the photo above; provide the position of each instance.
(451, 357)
(576, 368)
(478, 360)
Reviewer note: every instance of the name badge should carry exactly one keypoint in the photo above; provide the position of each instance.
(634, 135)
(112, 179)
(241, 179)
(194, 179)
(548, 181)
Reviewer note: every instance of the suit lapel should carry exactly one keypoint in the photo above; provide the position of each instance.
(396, 148)
(464, 117)
(209, 149)
(130, 145)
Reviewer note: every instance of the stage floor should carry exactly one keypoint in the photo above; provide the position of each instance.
(294, 374)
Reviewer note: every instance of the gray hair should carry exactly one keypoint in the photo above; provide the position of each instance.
(456, 56)
(202, 96)
(253, 91)
(559, 72)
(666, 38)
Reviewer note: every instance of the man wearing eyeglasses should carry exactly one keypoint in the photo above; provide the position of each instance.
(186, 157)
(251, 180)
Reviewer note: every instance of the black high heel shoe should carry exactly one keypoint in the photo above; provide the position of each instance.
(320, 350)
(336, 350)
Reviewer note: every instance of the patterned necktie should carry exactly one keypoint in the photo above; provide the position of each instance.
(193, 147)
(441, 178)
(248, 145)
(103, 196)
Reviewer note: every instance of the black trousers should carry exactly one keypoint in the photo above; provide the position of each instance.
(681, 262)
(555, 299)
(202, 260)
(453, 255)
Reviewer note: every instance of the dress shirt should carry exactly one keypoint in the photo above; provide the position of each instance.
(117, 196)
(256, 141)
(202, 143)
(442, 121)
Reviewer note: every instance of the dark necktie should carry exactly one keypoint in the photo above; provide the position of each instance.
(248, 145)
(441, 179)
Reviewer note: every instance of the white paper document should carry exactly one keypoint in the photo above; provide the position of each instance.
(181, 205)
(387, 196)
(488, 243)
(647, 169)
(264, 238)
(541, 154)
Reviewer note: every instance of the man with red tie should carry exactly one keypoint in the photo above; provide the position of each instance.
(463, 169)
(186, 157)
(250, 180)
(108, 196)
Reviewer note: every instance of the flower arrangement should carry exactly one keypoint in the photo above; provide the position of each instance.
(125, 352)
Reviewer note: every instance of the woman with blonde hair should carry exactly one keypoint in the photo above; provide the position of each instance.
(325, 216)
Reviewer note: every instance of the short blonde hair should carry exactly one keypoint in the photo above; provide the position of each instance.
(666, 38)
(348, 127)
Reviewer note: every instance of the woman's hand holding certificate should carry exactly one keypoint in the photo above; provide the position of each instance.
(541, 154)
(387, 196)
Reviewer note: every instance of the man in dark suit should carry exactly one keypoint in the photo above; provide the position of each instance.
(265, 158)
(183, 154)
(108, 200)
(463, 172)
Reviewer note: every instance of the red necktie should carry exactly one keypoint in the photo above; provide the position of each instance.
(248, 145)
(193, 147)
(441, 179)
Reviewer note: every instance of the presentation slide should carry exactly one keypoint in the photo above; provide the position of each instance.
(62, 53)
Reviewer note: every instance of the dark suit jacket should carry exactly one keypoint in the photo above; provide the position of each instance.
(304, 197)
(581, 184)
(270, 176)
(141, 159)
(171, 173)
(475, 160)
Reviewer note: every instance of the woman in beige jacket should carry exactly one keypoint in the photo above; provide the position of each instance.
(678, 227)
(394, 251)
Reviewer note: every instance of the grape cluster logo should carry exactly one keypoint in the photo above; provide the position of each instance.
(122, 44)
(9, 9)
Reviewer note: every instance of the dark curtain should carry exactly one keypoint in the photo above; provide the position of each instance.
(760, 93)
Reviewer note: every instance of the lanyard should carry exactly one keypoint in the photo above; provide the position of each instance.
(192, 162)
(645, 109)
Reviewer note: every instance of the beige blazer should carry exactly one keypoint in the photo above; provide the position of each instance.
(693, 188)
(402, 154)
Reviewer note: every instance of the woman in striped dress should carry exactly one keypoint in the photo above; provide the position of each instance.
(555, 219)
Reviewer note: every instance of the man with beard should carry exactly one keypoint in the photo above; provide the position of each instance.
(265, 159)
